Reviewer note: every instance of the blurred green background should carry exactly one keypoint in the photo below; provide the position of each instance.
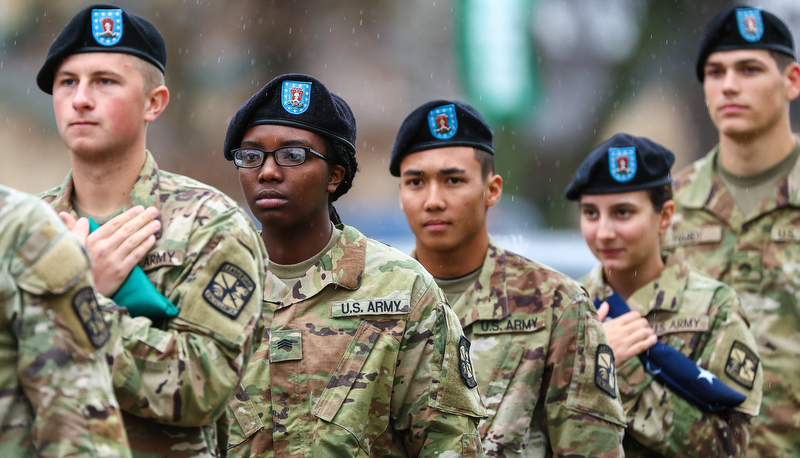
(554, 77)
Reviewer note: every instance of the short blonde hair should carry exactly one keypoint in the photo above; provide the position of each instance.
(151, 75)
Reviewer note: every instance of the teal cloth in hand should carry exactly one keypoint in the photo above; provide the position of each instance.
(138, 295)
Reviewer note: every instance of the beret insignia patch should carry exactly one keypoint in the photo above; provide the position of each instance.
(751, 25)
(85, 304)
(742, 365)
(622, 163)
(295, 96)
(465, 363)
(442, 122)
(229, 290)
(107, 26)
(605, 372)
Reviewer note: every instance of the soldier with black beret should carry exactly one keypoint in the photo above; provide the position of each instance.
(736, 209)
(187, 246)
(535, 338)
(673, 312)
(364, 356)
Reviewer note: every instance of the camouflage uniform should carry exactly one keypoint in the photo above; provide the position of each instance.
(56, 397)
(362, 359)
(174, 378)
(758, 255)
(701, 318)
(534, 340)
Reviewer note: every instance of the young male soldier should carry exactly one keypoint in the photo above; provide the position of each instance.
(56, 397)
(364, 357)
(175, 369)
(540, 354)
(737, 214)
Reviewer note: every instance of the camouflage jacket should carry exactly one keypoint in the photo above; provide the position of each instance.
(174, 378)
(535, 339)
(56, 397)
(363, 358)
(702, 319)
(758, 255)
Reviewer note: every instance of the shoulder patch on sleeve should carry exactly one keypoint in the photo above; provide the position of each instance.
(742, 364)
(85, 304)
(229, 289)
(605, 371)
(465, 363)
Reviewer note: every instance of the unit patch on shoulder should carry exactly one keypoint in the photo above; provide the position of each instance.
(85, 304)
(229, 290)
(742, 365)
(107, 26)
(605, 371)
(465, 363)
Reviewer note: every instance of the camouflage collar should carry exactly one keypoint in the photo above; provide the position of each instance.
(342, 266)
(145, 190)
(487, 298)
(704, 189)
(665, 293)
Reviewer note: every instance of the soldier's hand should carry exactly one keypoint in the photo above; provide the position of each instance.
(79, 228)
(118, 245)
(628, 334)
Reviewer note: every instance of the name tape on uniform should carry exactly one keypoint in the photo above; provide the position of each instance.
(683, 324)
(705, 234)
(508, 325)
(785, 234)
(162, 258)
(385, 306)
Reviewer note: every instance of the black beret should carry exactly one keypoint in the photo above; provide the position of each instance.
(440, 124)
(103, 28)
(743, 28)
(620, 164)
(294, 100)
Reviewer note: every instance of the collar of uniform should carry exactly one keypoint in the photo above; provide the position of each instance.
(595, 283)
(487, 298)
(695, 193)
(665, 293)
(145, 190)
(342, 266)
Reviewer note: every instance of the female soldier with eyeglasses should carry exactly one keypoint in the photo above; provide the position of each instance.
(362, 354)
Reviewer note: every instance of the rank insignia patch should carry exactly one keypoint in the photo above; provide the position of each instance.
(465, 363)
(442, 122)
(742, 365)
(751, 25)
(107, 26)
(605, 372)
(295, 96)
(285, 345)
(229, 290)
(85, 304)
(622, 163)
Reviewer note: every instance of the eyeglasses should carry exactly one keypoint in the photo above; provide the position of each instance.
(286, 156)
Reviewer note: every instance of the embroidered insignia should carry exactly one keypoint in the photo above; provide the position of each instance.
(442, 122)
(107, 26)
(285, 345)
(605, 372)
(85, 304)
(742, 365)
(465, 363)
(751, 25)
(375, 306)
(229, 290)
(622, 163)
(295, 96)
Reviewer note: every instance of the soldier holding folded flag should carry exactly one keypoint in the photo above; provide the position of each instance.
(696, 382)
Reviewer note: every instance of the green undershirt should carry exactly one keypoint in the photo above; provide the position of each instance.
(750, 190)
(290, 274)
(454, 288)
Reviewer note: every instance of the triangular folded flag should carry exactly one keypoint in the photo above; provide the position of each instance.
(679, 373)
(138, 295)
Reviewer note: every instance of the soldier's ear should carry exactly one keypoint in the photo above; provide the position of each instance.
(493, 189)
(666, 216)
(335, 177)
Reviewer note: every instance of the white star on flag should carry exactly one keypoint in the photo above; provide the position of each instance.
(704, 374)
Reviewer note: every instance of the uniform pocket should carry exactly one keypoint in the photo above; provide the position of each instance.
(245, 420)
(357, 398)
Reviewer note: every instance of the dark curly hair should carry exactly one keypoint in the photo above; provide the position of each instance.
(341, 154)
